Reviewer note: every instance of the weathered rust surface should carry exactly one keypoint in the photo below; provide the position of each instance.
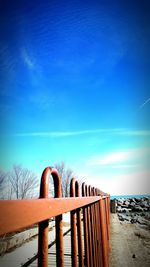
(95, 205)
(43, 226)
(103, 216)
(58, 221)
(89, 231)
(85, 227)
(23, 213)
(73, 227)
(79, 229)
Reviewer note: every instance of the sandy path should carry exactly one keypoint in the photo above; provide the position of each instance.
(130, 244)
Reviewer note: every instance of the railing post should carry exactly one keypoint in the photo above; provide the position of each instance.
(93, 238)
(58, 221)
(79, 229)
(43, 226)
(86, 234)
(97, 255)
(100, 251)
(103, 216)
(73, 228)
(108, 215)
(107, 219)
(89, 231)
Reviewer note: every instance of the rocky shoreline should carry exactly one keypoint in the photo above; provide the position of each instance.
(134, 210)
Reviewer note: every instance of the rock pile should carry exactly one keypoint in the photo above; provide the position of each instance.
(134, 210)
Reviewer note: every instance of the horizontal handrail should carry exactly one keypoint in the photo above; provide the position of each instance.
(16, 215)
(19, 214)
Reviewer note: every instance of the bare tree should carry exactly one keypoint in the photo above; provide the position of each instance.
(23, 182)
(2, 183)
(66, 175)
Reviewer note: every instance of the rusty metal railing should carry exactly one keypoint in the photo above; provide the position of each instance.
(89, 215)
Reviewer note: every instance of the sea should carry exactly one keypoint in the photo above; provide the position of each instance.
(129, 196)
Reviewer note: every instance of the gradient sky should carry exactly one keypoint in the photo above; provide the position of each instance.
(74, 86)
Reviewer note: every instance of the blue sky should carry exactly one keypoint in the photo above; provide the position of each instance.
(74, 80)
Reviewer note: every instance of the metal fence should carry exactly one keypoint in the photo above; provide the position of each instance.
(89, 221)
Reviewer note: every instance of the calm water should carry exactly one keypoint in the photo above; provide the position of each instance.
(129, 196)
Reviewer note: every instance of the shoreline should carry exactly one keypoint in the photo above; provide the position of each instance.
(132, 210)
(130, 227)
(129, 196)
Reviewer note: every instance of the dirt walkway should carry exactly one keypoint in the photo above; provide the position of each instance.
(130, 244)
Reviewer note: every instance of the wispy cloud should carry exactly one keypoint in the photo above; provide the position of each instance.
(123, 166)
(120, 159)
(146, 102)
(60, 134)
(135, 132)
(114, 131)
(27, 59)
(111, 158)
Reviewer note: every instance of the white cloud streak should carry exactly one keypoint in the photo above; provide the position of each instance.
(119, 159)
(85, 132)
(123, 166)
(108, 159)
(135, 132)
(142, 106)
(59, 134)
(27, 59)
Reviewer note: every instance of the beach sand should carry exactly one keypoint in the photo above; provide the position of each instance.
(130, 244)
